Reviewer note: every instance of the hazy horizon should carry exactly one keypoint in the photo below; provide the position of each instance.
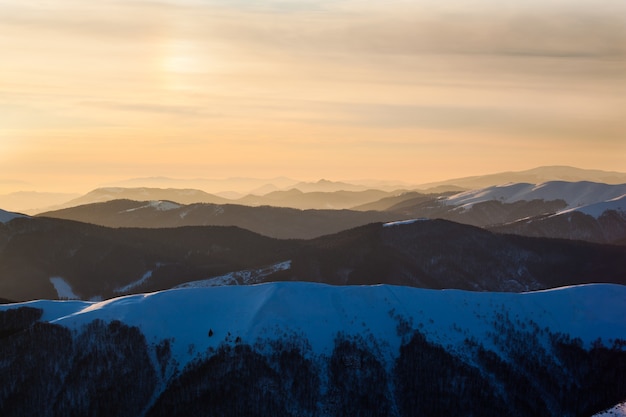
(96, 93)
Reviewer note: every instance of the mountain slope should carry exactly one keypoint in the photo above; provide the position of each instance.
(444, 254)
(596, 210)
(46, 258)
(575, 194)
(544, 210)
(308, 309)
(481, 214)
(387, 203)
(50, 258)
(303, 349)
(603, 222)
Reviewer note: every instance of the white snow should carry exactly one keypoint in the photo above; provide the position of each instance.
(134, 284)
(318, 312)
(596, 210)
(404, 222)
(63, 289)
(245, 277)
(575, 194)
(164, 205)
(7, 216)
(157, 205)
(617, 411)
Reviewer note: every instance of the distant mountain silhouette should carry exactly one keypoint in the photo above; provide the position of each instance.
(236, 184)
(516, 208)
(398, 199)
(182, 196)
(328, 186)
(293, 198)
(276, 222)
(30, 202)
(296, 198)
(534, 176)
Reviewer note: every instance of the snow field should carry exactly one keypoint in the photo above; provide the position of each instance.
(319, 312)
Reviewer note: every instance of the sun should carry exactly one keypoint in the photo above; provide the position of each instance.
(180, 56)
(179, 60)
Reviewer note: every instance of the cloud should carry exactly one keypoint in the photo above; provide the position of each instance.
(188, 111)
(92, 20)
(295, 76)
(536, 124)
(565, 29)
(529, 32)
(12, 182)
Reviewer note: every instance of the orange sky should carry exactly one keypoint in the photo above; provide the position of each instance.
(94, 92)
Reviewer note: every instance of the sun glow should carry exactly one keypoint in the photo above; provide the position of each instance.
(180, 60)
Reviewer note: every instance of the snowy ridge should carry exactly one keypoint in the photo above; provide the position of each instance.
(404, 222)
(245, 277)
(145, 277)
(157, 205)
(575, 194)
(318, 312)
(596, 210)
(7, 216)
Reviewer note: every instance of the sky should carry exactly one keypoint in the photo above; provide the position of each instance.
(416, 91)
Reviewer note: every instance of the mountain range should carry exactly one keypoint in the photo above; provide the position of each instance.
(326, 298)
(233, 189)
(52, 258)
(279, 222)
(542, 210)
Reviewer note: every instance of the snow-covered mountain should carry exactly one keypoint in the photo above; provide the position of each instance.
(318, 312)
(308, 349)
(575, 194)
